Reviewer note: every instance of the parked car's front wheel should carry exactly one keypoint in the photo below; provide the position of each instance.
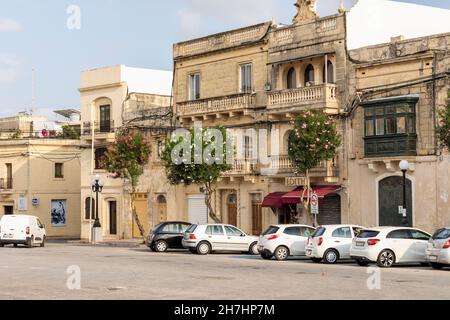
(161, 246)
(43, 242)
(203, 248)
(281, 253)
(437, 266)
(331, 256)
(386, 259)
(266, 256)
(254, 249)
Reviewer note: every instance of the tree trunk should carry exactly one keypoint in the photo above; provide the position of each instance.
(208, 199)
(136, 217)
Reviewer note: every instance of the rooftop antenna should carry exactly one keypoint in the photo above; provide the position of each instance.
(33, 98)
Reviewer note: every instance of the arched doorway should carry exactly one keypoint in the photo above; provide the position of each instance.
(232, 209)
(390, 197)
(161, 203)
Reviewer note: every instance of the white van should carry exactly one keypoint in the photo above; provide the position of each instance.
(21, 229)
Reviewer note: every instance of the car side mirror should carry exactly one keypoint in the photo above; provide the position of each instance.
(43, 226)
(243, 235)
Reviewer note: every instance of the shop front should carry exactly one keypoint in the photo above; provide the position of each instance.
(288, 206)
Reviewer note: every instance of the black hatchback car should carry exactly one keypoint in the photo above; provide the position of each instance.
(167, 235)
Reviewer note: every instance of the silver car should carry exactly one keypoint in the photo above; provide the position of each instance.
(204, 239)
(438, 251)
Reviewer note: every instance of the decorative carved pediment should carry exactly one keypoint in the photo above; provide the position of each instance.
(307, 10)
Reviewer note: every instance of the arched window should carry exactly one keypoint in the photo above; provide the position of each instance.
(161, 199)
(330, 72)
(309, 75)
(291, 79)
(87, 205)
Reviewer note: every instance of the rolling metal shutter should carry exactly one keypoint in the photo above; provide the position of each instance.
(197, 210)
(330, 210)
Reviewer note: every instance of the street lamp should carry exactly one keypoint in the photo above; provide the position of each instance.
(404, 166)
(97, 187)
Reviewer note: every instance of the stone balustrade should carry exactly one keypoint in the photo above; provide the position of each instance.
(216, 105)
(319, 94)
(221, 40)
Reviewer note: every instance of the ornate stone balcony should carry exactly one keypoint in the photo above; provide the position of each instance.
(217, 107)
(323, 96)
(282, 165)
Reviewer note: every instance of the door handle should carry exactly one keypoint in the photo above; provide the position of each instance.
(337, 241)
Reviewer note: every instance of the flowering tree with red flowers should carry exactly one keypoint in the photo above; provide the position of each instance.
(126, 158)
(444, 126)
(313, 140)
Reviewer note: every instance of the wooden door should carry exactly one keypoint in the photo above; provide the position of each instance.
(161, 208)
(142, 213)
(390, 198)
(8, 210)
(256, 218)
(232, 210)
(105, 118)
(112, 217)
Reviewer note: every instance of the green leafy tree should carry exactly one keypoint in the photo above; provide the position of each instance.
(69, 132)
(126, 158)
(314, 139)
(199, 157)
(444, 126)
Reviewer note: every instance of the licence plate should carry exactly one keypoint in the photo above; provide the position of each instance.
(308, 252)
(433, 258)
(360, 244)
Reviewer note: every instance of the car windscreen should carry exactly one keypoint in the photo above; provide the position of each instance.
(271, 230)
(442, 234)
(366, 234)
(319, 232)
(191, 229)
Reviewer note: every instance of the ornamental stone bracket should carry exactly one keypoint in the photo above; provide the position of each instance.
(388, 165)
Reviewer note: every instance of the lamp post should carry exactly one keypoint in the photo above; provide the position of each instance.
(404, 166)
(97, 187)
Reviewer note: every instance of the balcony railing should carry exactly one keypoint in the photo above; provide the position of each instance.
(98, 126)
(223, 104)
(283, 165)
(325, 94)
(243, 167)
(6, 184)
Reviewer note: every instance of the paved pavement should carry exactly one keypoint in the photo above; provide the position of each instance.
(136, 273)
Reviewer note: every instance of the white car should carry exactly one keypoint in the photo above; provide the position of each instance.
(22, 229)
(388, 246)
(438, 251)
(204, 239)
(331, 243)
(283, 241)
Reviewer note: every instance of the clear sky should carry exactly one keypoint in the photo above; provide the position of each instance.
(137, 33)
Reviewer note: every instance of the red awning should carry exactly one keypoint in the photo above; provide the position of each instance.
(273, 200)
(294, 196)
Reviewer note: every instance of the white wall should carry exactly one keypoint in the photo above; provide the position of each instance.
(372, 22)
(157, 82)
